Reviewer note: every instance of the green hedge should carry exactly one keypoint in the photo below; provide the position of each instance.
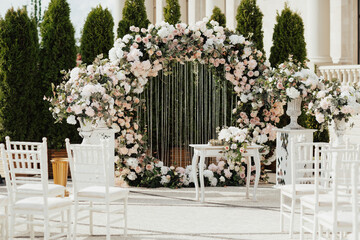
(57, 52)
(97, 35)
(218, 16)
(134, 14)
(288, 38)
(172, 12)
(20, 96)
(249, 22)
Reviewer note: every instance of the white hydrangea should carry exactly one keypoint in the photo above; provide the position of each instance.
(164, 180)
(132, 162)
(164, 170)
(208, 174)
(71, 120)
(235, 39)
(292, 93)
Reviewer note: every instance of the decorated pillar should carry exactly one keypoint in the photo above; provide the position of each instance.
(230, 11)
(159, 11)
(318, 31)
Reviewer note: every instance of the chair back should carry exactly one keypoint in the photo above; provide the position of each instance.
(25, 162)
(88, 164)
(343, 180)
(305, 161)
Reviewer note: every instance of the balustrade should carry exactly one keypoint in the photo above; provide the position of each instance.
(346, 74)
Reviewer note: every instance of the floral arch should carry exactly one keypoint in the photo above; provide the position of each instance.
(109, 88)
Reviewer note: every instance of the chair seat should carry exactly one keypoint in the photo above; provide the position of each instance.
(37, 189)
(325, 200)
(299, 188)
(37, 203)
(99, 192)
(344, 218)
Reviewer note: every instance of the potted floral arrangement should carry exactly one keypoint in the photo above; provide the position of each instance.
(293, 83)
(335, 103)
(90, 94)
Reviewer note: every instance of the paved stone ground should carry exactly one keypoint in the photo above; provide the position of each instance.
(174, 214)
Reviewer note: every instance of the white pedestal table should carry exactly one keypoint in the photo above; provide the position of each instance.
(205, 150)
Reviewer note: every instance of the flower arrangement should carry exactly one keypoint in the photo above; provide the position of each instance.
(235, 140)
(292, 80)
(90, 93)
(334, 102)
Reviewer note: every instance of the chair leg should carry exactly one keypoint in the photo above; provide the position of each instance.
(125, 216)
(62, 221)
(68, 219)
(6, 223)
(108, 221)
(12, 225)
(301, 222)
(292, 217)
(32, 234)
(315, 229)
(76, 206)
(91, 218)
(46, 228)
(281, 212)
(248, 166)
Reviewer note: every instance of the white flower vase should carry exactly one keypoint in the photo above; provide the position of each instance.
(294, 111)
(85, 130)
(339, 127)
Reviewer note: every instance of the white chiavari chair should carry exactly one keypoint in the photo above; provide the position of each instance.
(28, 181)
(84, 165)
(321, 200)
(338, 221)
(49, 208)
(303, 179)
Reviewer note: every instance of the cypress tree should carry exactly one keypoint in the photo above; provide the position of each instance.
(218, 16)
(288, 38)
(249, 22)
(97, 36)
(19, 92)
(58, 52)
(134, 14)
(172, 12)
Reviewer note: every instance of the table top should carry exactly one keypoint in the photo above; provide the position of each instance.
(211, 147)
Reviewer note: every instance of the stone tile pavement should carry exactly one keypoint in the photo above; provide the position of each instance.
(173, 214)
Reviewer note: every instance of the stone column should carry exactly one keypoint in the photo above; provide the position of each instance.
(318, 31)
(150, 9)
(159, 11)
(116, 8)
(192, 12)
(209, 7)
(230, 11)
(340, 31)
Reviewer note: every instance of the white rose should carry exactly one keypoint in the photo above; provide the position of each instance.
(71, 120)
(222, 179)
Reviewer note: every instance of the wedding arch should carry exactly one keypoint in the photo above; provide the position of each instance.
(109, 90)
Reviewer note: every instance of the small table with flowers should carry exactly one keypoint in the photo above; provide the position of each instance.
(206, 150)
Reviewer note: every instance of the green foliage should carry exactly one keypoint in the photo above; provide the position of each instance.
(172, 12)
(36, 14)
(218, 16)
(309, 121)
(97, 36)
(57, 52)
(249, 22)
(20, 96)
(288, 38)
(134, 14)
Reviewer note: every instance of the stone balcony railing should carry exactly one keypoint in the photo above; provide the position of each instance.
(347, 74)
